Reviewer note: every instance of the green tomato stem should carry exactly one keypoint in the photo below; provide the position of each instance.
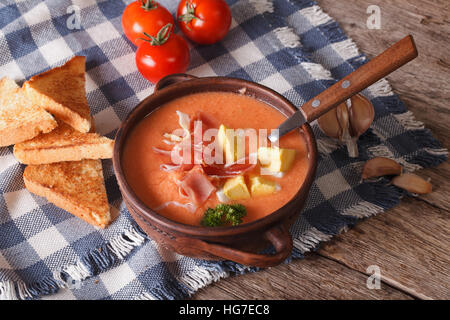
(148, 5)
(189, 15)
(161, 37)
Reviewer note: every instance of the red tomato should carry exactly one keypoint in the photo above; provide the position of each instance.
(204, 21)
(165, 54)
(144, 16)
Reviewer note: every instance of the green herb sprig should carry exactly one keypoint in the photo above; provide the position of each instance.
(224, 214)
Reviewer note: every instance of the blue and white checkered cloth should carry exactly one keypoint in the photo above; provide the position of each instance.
(291, 46)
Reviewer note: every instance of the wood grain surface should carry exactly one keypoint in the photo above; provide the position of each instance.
(409, 243)
(312, 278)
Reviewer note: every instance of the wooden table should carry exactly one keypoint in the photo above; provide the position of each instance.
(411, 242)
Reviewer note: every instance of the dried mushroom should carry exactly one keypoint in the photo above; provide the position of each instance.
(348, 121)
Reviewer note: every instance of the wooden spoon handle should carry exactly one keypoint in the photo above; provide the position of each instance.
(391, 59)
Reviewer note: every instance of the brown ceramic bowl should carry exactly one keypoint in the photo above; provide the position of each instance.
(239, 243)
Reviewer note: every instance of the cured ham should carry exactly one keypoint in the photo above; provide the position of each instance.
(182, 160)
(229, 171)
(197, 186)
(207, 120)
(189, 206)
(169, 167)
(162, 151)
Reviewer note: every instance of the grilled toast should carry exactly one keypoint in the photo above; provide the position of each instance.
(76, 186)
(20, 119)
(63, 144)
(61, 91)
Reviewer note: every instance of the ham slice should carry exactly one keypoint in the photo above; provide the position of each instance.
(162, 151)
(233, 170)
(196, 147)
(207, 120)
(185, 162)
(197, 185)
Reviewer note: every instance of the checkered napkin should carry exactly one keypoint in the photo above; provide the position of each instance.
(291, 46)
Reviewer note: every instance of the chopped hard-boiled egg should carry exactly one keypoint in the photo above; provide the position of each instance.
(276, 159)
(236, 189)
(227, 142)
(262, 187)
(221, 196)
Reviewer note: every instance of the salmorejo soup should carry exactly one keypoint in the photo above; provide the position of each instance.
(204, 159)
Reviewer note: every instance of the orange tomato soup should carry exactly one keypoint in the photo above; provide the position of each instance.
(155, 187)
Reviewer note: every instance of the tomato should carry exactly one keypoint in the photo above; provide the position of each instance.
(204, 21)
(165, 54)
(144, 16)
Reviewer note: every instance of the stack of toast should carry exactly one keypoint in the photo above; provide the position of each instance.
(48, 120)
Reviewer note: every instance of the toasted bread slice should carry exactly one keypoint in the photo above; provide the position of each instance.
(20, 119)
(61, 91)
(76, 186)
(63, 144)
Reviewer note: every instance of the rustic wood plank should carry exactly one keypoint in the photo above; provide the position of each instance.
(423, 83)
(440, 179)
(410, 242)
(410, 245)
(312, 278)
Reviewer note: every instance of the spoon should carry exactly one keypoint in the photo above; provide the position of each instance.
(388, 61)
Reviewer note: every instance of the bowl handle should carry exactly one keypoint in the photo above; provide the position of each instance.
(172, 79)
(279, 237)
